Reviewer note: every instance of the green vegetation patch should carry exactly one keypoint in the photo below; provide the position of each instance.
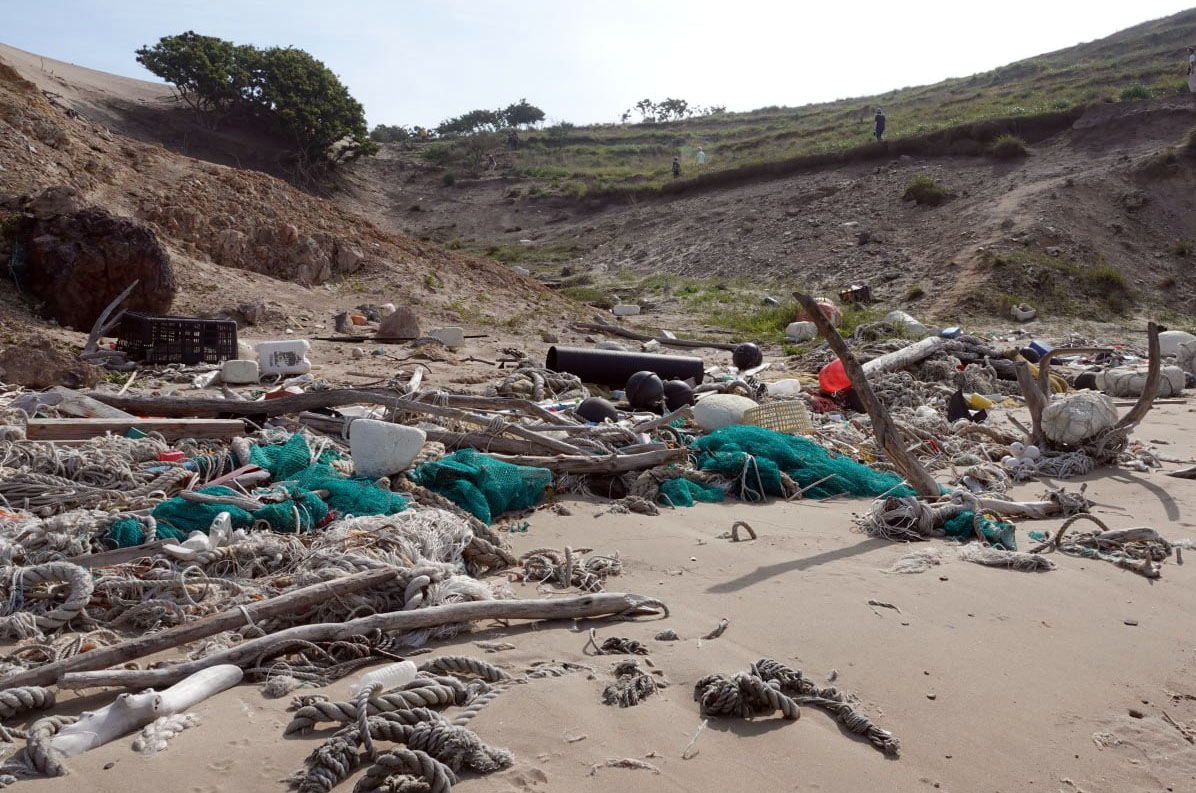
(1053, 285)
(925, 191)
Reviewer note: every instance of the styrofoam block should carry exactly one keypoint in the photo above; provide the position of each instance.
(380, 448)
(801, 331)
(721, 410)
(239, 372)
(626, 310)
(452, 337)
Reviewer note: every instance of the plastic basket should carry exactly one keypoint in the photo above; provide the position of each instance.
(856, 294)
(156, 339)
(789, 416)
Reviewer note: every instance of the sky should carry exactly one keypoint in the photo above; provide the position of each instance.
(423, 61)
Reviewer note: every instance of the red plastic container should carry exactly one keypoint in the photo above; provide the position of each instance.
(172, 456)
(832, 378)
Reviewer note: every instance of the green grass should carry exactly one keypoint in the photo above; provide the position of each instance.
(590, 295)
(1054, 286)
(1135, 93)
(608, 158)
(925, 190)
(1008, 147)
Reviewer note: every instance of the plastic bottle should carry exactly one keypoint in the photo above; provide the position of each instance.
(391, 677)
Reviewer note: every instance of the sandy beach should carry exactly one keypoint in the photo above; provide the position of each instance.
(993, 680)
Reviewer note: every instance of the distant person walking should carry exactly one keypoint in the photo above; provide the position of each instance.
(701, 157)
(1192, 69)
(880, 124)
(676, 168)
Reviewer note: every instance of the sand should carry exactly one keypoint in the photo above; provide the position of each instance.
(993, 680)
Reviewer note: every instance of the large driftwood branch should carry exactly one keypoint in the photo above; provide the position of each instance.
(131, 711)
(296, 602)
(1150, 390)
(1036, 401)
(1044, 363)
(580, 607)
(176, 407)
(618, 330)
(886, 434)
(103, 325)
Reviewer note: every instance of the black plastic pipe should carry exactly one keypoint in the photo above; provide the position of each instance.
(613, 367)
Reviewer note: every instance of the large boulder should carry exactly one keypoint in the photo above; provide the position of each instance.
(79, 263)
(37, 363)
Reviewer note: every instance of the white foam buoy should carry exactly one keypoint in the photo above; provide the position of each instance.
(380, 448)
(721, 410)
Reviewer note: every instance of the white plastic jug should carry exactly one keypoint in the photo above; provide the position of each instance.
(285, 357)
(389, 677)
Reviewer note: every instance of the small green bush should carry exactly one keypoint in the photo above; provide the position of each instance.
(448, 180)
(1182, 247)
(1009, 147)
(915, 292)
(1135, 92)
(925, 190)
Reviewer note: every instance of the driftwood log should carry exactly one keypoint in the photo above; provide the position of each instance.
(207, 408)
(132, 711)
(580, 607)
(905, 357)
(887, 435)
(618, 330)
(296, 602)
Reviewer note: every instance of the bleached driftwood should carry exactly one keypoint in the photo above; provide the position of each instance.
(297, 602)
(131, 712)
(905, 357)
(579, 607)
(886, 434)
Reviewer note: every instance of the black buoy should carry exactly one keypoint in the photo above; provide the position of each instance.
(1030, 354)
(747, 356)
(1085, 380)
(597, 410)
(644, 390)
(678, 393)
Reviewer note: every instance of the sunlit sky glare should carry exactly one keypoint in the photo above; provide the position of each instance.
(423, 61)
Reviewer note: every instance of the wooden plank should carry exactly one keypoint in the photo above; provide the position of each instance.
(171, 429)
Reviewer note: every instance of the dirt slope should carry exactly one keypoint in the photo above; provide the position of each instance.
(234, 235)
(1097, 194)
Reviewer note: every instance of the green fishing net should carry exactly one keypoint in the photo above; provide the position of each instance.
(754, 459)
(685, 492)
(481, 485)
(961, 527)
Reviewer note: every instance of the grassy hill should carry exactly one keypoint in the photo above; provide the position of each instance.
(1141, 62)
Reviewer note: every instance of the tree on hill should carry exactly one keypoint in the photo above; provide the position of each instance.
(211, 75)
(471, 122)
(313, 106)
(522, 114)
(393, 133)
(298, 94)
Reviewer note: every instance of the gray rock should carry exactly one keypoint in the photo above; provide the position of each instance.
(549, 338)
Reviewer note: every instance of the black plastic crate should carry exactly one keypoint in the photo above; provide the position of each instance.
(154, 339)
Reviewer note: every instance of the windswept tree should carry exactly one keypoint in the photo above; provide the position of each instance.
(522, 114)
(311, 105)
(298, 94)
(211, 75)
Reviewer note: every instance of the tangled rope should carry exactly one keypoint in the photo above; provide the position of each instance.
(568, 568)
(79, 586)
(24, 698)
(1139, 550)
(632, 685)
